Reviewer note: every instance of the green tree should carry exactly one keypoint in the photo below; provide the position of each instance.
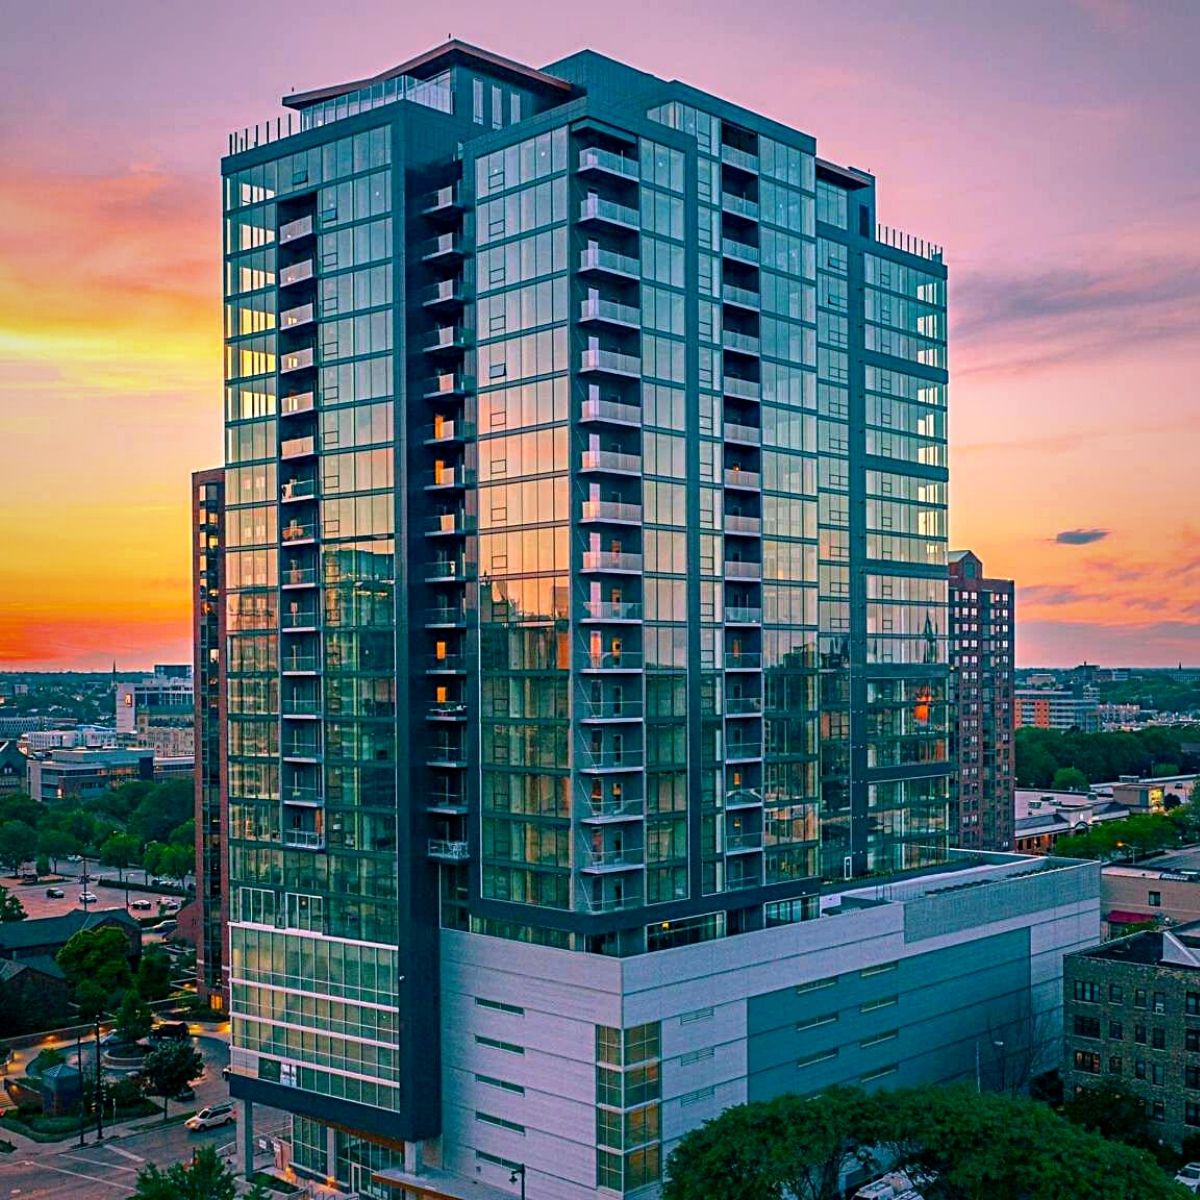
(120, 851)
(177, 862)
(11, 908)
(152, 858)
(976, 1145)
(134, 1019)
(170, 1067)
(18, 844)
(258, 1190)
(92, 1000)
(1069, 779)
(153, 979)
(20, 806)
(99, 955)
(206, 1177)
(55, 844)
(1112, 1112)
(185, 834)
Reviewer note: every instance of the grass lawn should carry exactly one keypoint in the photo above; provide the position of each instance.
(42, 1128)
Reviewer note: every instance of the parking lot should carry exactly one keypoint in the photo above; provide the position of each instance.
(37, 904)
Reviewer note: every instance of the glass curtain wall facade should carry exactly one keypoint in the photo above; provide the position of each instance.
(585, 524)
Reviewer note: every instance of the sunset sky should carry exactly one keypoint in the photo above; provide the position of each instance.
(1050, 146)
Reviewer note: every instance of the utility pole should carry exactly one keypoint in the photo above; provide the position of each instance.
(79, 1063)
(99, 1088)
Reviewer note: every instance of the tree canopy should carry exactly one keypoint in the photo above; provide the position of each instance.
(972, 1145)
(11, 908)
(99, 956)
(170, 1067)
(206, 1177)
(1101, 757)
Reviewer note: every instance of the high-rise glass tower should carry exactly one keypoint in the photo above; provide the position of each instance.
(585, 563)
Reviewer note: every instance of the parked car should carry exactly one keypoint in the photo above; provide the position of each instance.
(213, 1116)
(74, 858)
(1189, 1176)
(141, 905)
(55, 893)
(88, 897)
(168, 1031)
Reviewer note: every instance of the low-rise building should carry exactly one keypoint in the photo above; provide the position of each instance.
(44, 937)
(1132, 1017)
(34, 993)
(12, 768)
(1056, 708)
(1165, 889)
(79, 773)
(157, 711)
(1043, 817)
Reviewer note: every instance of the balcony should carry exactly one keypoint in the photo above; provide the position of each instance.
(293, 318)
(597, 862)
(446, 616)
(611, 904)
(618, 661)
(441, 850)
(594, 208)
(746, 526)
(298, 533)
(304, 795)
(609, 811)
(612, 362)
(446, 338)
(296, 273)
(612, 561)
(738, 661)
(303, 839)
(735, 569)
(446, 711)
(451, 478)
(611, 610)
(301, 447)
(300, 621)
(444, 246)
(449, 570)
(297, 360)
(608, 761)
(742, 798)
(741, 615)
(611, 710)
(611, 512)
(742, 159)
(741, 251)
(746, 435)
(593, 258)
(441, 200)
(609, 312)
(301, 751)
(741, 297)
(742, 389)
(445, 292)
(740, 343)
(293, 231)
(743, 706)
(746, 481)
(446, 755)
(298, 577)
(446, 803)
(740, 206)
(301, 707)
(297, 403)
(743, 751)
(614, 461)
(441, 432)
(299, 664)
(446, 664)
(451, 523)
(608, 162)
(743, 843)
(297, 489)
(448, 384)
(611, 412)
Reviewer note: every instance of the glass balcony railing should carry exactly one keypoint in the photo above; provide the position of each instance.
(298, 577)
(451, 664)
(448, 523)
(742, 343)
(297, 360)
(303, 794)
(741, 296)
(301, 447)
(739, 158)
(596, 159)
(611, 860)
(442, 850)
(296, 403)
(299, 663)
(743, 751)
(593, 258)
(742, 206)
(611, 560)
(301, 706)
(297, 489)
(747, 435)
(452, 477)
(447, 337)
(450, 569)
(301, 619)
(743, 842)
(296, 273)
(743, 389)
(596, 309)
(614, 661)
(743, 706)
(445, 244)
(611, 510)
(612, 903)
(448, 383)
(449, 431)
(735, 477)
(740, 614)
(441, 199)
(609, 760)
(742, 251)
(303, 839)
(299, 531)
(612, 610)
(447, 291)
(736, 523)
(447, 710)
(613, 411)
(293, 231)
(611, 460)
(292, 318)
(743, 570)
(594, 208)
(609, 809)
(611, 710)
(736, 661)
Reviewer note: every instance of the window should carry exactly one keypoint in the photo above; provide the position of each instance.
(1087, 992)
(815, 984)
(1191, 1040)
(1139, 1068)
(477, 94)
(1192, 1004)
(1158, 1074)
(1087, 1060)
(1088, 1027)
(495, 1044)
(1158, 1002)
(820, 1057)
(1158, 1039)
(1191, 1113)
(1139, 1034)
(1139, 998)
(1116, 993)
(1116, 1030)
(880, 1002)
(1158, 1111)
(1191, 1078)
(515, 1009)
(814, 1022)
(1154, 899)
(878, 969)
(1114, 1065)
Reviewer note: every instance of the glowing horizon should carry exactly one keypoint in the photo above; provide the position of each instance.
(1044, 148)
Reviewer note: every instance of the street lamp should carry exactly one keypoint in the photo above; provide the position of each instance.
(519, 1169)
(99, 1088)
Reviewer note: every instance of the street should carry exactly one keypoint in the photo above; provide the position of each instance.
(37, 904)
(56, 1171)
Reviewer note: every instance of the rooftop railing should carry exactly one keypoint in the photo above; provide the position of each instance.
(899, 240)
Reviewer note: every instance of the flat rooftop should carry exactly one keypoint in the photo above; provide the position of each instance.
(1178, 947)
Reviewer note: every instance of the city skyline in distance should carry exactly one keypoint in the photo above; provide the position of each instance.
(109, 292)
